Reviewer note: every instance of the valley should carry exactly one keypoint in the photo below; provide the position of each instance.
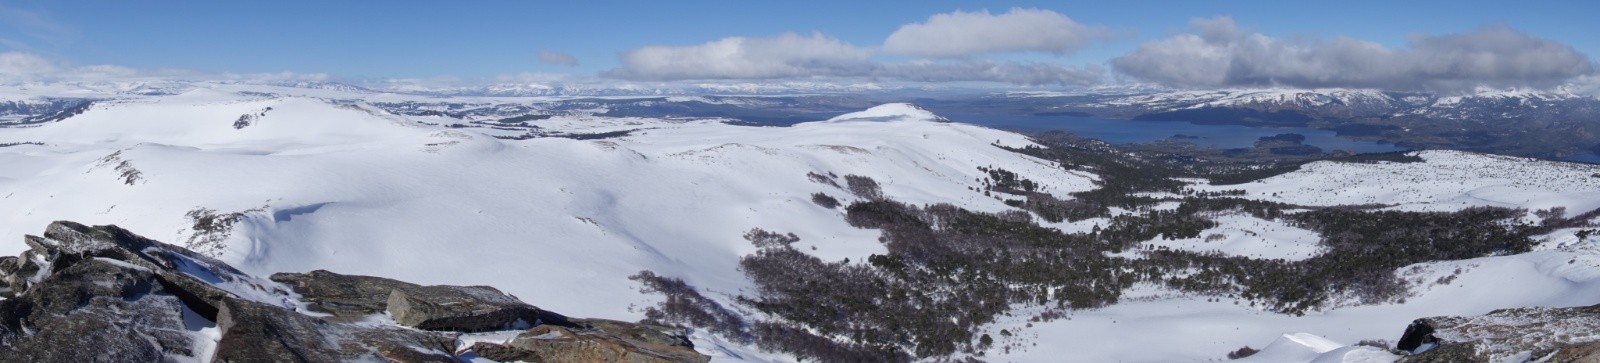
(881, 233)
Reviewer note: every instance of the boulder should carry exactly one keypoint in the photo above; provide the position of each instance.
(1417, 334)
(460, 308)
(1579, 353)
(445, 308)
(197, 279)
(95, 311)
(103, 294)
(256, 332)
(7, 267)
(1504, 334)
(346, 297)
(608, 341)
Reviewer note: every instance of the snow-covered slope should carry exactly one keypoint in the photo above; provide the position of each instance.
(1280, 98)
(890, 112)
(1339, 103)
(271, 180)
(342, 187)
(1446, 180)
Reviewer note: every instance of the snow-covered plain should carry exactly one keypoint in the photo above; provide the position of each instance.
(1446, 180)
(561, 223)
(1246, 236)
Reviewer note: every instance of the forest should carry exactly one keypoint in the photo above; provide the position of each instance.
(948, 271)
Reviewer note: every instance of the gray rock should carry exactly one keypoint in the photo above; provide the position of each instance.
(8, 265)
(103, 294)
(446, 308)
(1580, 353)
(608, 341)
(1505, 333)
(347, 297)
(459, 308)
(95, 311)
(256, 332)
(1418, 334)
(188, 275)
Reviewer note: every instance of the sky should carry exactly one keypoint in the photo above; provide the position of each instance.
(1190, 44)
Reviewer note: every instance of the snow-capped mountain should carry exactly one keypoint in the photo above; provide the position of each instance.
(563, 208)
(633, 89)
(1300, 105)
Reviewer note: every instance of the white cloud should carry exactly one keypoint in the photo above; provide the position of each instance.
(1217, 54)
(1588, 85)
(962, 33)
(557, 58)
(818, 56)
(991, 71)
(15, 64)
(786, 55)
(24, 66)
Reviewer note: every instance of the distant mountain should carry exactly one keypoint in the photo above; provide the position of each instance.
(628, 89)
(1298, 106)
(867, 233)
(1549, 124)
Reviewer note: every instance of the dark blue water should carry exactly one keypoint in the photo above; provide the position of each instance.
(1589, 157)
(1127, 131)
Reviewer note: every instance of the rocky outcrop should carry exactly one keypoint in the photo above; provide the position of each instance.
(6, 262)
(255, 332)
(103, 294)
(1418, 334)
(445, 308)
(598, 341)
(95, 310)
(1506, 335)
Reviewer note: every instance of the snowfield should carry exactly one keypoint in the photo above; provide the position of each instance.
(298, 183)
(558, 222)
(1243, 235)
(1445, 181)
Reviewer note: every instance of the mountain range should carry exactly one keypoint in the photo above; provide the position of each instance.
(888, 232)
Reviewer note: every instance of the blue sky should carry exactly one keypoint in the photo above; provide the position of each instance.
(402, 39)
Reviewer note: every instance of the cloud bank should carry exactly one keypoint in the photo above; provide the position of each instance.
(785, 55)
(20, 64)
(959, 33)
(797, 56)
(1216, 53)
(25, 66)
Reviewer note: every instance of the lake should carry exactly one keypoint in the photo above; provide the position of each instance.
(1127, 131)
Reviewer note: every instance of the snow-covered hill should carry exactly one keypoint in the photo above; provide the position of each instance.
(1444, 181)
(283, 179)
(306, 185)
(1268, 98)
(1341, 104)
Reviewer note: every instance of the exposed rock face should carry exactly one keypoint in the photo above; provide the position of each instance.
(600, 341)
(1522, 334)
(446, 308)
(255, 332)
(7, 263)
(103, 294)
(95, 310)
(457, 308)
(1417, 334)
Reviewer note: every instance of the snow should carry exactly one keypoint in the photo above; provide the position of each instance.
(890, 112)
(561, 223)
(1305, 347)
(321, 185)
(204, 333)
(1191, 99)
(1445, 181)
(1243, 235)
